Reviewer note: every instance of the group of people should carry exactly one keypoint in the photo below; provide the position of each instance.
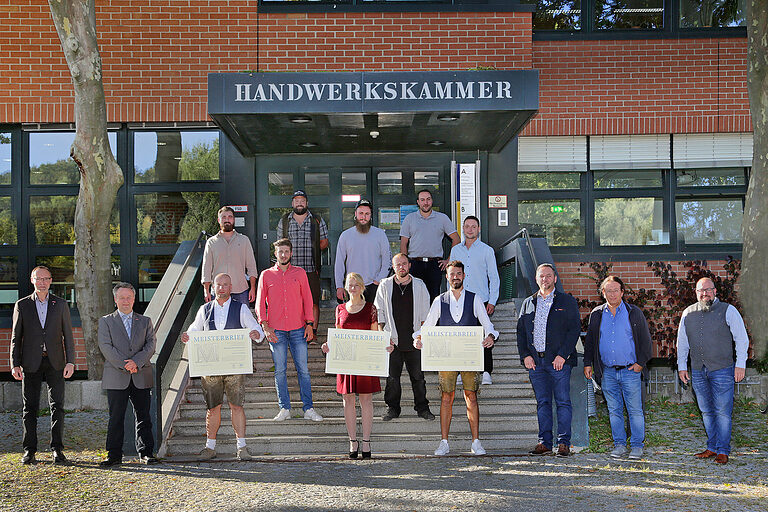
(617, 348)
(287, 296)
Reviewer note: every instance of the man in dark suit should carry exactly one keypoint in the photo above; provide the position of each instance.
(127, 340)
(42, 347)
(547, 331)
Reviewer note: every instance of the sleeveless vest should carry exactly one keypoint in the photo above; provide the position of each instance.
(233, 315)
(709, 337)
(468, 317)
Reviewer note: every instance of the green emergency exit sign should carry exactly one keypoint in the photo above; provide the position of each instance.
(556, 208)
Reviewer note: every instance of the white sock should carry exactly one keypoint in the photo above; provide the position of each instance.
(240, 442)
(210, 443)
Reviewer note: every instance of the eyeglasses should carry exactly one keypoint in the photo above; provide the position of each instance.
(705, 290)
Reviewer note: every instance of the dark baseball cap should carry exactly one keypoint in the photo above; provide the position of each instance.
(299, 193)
(364, 202)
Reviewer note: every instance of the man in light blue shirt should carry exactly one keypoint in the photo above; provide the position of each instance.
(482, 275)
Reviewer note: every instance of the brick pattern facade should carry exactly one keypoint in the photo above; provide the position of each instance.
(5, 350)
(641, 87)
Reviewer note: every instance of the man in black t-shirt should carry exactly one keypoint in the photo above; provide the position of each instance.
(402, 302)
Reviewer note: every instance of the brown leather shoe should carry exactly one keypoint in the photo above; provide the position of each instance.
(563, 450)
(541, 450)
(705, 454)
(721, 458)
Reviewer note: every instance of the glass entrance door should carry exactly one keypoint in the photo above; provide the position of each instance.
(332, 194)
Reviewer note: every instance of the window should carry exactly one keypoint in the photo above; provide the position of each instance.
(5, 158)
(627, 179)
(629, 221)
(49, 158)
(629, 14)
(8, 227)
(557, 220)
(172, 217)
(713, 13)
(709, 221)
(171, 156)
(557, 14)
(548, 181)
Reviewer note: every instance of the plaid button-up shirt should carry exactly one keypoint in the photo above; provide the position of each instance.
(301, 238)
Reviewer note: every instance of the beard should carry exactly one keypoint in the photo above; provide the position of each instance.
(456, 285)
(300, 210)
(706, 304)
(286, 262)
(227, 227)
(362, 228)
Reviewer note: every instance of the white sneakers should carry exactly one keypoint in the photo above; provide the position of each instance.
(487, 379)
(477, 448)
(283, 415)
(458, 380)
(310, 414)
(442, 448)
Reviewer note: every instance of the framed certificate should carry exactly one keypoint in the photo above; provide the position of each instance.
(219, 352)
(357, 352)
(452, 349)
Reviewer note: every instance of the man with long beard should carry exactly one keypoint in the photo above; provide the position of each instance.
(229, 252)
(363, 249)
(309, 235)
(708, 332)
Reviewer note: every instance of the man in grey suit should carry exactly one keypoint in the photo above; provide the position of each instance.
(42, 347)
(127, 340)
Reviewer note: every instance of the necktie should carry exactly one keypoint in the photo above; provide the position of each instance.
(127, 324)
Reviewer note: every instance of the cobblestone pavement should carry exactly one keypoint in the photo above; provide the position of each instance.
(669, 479)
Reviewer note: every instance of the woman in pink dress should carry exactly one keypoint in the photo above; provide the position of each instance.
(357, 314)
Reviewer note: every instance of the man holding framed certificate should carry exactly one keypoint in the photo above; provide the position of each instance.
(457, 310)
(224, 313)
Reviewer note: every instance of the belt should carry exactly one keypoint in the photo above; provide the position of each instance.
(541, 354)
(621, 367)
(425, 260)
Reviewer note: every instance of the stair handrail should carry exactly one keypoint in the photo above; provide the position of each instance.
(523, 232)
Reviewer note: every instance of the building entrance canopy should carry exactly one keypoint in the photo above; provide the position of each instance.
(273, 113)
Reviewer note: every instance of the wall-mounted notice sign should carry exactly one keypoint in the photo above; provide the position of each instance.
(467, 191)
(498, 201)
(239, 208)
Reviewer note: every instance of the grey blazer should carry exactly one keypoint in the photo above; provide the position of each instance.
(116, 347)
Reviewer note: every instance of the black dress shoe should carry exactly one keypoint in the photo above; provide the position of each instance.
(390, 415)
(148, 459)
(366, 455)
(110, 462)
(353, 454)
(58, 457)
(28, 458)
(426, 414)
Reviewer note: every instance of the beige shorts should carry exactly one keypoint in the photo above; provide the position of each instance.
(470, 381)
(215, 386)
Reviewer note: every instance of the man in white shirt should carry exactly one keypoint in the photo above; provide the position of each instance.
(224, 313)
(458, 307)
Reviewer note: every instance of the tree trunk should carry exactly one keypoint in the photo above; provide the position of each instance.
(754, 278)
(100, 176)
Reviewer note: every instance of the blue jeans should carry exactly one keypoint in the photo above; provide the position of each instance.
(241, 297)
(620, 388)
(546, 382)
(714, 393)
(295, 341)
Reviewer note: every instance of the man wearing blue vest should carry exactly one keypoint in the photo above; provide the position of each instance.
(709, 332)
(224, 313)
(459, 307)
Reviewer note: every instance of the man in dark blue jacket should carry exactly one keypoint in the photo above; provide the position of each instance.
(547, 331)
(618, 346)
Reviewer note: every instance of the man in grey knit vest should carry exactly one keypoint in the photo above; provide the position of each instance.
(708, 332)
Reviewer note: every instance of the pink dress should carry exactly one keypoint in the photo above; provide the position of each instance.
(362, 320)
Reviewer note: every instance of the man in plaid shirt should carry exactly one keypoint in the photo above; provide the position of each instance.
(309, 236)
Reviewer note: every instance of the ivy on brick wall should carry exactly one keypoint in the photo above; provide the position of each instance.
(663, 307)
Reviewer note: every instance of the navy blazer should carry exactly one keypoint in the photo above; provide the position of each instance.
(563, 328)
(640, 334)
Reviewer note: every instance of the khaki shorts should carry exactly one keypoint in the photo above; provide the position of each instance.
(314, 286)
(215, 386)
(470, 381)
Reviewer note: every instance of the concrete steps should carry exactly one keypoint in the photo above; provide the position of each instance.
(507, 410)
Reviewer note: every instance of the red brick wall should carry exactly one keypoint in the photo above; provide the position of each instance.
(5, 350)
(157, 53)
(641, 87)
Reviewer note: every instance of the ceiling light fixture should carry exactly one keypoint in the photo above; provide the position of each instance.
(308, 144)
(436, 142)
(301, 119)
(448, 118)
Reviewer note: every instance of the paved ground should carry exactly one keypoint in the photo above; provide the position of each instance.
(669, 479)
